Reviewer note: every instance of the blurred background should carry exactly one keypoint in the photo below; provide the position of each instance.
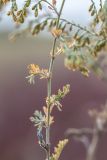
(18, 99)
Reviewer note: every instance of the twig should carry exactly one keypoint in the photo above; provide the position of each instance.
(79, 132)
(79, 27)
(50, 6)
(91, 152)
(49, 83)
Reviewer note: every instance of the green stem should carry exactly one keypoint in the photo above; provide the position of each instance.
(49, 85)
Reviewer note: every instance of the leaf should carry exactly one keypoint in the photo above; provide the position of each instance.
(84, 71)
(53, 2)
(5, 1)
(38, 119)
(36, 12)
(58, 150)
(27, 4)
(31, 79)
(33, 69)
(40, 6)
(54, 100)
(56, 32)
(91, 7)
(45, 109)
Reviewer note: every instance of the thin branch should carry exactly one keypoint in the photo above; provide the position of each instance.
(52, 7)
(79, 132)
(79, 27)
(49, 83)
(91, 152)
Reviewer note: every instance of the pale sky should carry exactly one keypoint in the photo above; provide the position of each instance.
(76, 10)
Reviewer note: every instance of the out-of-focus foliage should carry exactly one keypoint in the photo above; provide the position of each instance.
(87, 44)
(3, 2)
(96, 132)
(100, 117)
(81, 46)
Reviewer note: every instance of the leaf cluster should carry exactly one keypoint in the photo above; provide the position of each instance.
(35, 70)
(40, 119)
